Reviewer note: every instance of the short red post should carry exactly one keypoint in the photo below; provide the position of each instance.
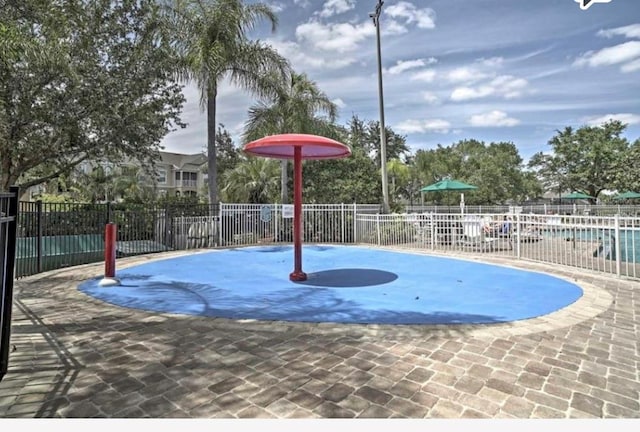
(110, 235)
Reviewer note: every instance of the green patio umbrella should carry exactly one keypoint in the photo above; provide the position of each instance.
(578, 195)
(627, 195)
(447, 185)
(450, 185)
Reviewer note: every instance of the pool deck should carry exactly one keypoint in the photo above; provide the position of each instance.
(75, 356)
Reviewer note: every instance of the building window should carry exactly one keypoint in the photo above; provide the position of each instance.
(162, 176)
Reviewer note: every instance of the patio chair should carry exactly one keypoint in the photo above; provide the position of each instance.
(474, 236)
(500, 233)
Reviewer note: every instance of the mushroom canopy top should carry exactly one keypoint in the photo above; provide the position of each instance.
(283, 147)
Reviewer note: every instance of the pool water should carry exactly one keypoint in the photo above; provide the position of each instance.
(629, 240)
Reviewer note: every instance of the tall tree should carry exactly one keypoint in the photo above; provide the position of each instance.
(298, 107)
(212, 40)
(627, 179)
(228, 153)
(586, 159)
(366, 134)
(352, 179)
(82, 80)
(496, 170)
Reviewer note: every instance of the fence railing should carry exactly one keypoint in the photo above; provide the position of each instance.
(604, 244)
(8, 228)
(541, 209)
(54, 236)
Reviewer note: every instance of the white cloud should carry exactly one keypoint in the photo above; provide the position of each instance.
(493, 119)
(430, 98)
(303, 60)
(492, 62)
(468, 93)
(423, 18)
(505, 86)
(631, 66)
(339, 103)
(427, 75)
(509, 86)
(336, 37)
(335, 7)
(277, 6)
(630, 31)
(302, 3)
(422, 126)
(623, 53)
(405, 65)
(623, 117)
(465, 74)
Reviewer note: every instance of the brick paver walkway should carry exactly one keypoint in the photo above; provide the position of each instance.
(76, 356)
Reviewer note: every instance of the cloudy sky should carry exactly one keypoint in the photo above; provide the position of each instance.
(494, 70)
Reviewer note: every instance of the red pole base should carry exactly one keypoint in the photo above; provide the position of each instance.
(298, 276)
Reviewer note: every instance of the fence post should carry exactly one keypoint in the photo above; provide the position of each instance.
(276, 234)
(220, 223)
(355, 222)
(343, 222)
(518, 229)
(616, 220)
(432, 227)
(39, 237)
(378, 227)
(7, 276)
(108, 208)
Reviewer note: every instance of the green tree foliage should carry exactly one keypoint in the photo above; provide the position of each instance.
(298, 107)
(254, 180)
(399, 180)
(355, 178)
(366, 135)
(211, 37)
(496, 169)
(627, 174)
(82, 80)
(586, 160)
(228, 154)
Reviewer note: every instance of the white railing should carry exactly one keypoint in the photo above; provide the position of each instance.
(604, 244)
(243, 224)
(574, 209)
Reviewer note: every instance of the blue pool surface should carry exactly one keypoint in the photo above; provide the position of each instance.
(346, 284)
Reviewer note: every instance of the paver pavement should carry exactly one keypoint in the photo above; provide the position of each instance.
(75, 356)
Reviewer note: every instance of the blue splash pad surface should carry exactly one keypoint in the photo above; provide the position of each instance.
(346, 284)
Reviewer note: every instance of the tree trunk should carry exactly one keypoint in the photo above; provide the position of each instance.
(212, 158)
(283, 181)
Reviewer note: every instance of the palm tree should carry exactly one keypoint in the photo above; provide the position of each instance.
(254, 180)
(399, 173)
(212, 43)
(297, 108)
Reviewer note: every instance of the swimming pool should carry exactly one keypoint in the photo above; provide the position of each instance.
(346, 284)
(629, 240)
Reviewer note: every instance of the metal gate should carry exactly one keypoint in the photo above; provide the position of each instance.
(8, 228)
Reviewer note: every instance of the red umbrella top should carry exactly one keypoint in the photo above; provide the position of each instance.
(312, 146)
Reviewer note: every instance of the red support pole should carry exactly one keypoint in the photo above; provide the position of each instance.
(110, 250)
(298, 275)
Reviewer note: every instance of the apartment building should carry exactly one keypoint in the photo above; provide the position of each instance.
(181, 174)
(176, 174)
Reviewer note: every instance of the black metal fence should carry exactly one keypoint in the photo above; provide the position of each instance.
(57, 235)
(8, 228)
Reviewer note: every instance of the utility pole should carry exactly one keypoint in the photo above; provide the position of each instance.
(383, 138)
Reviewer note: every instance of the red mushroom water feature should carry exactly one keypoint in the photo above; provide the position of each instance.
(297, 147)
